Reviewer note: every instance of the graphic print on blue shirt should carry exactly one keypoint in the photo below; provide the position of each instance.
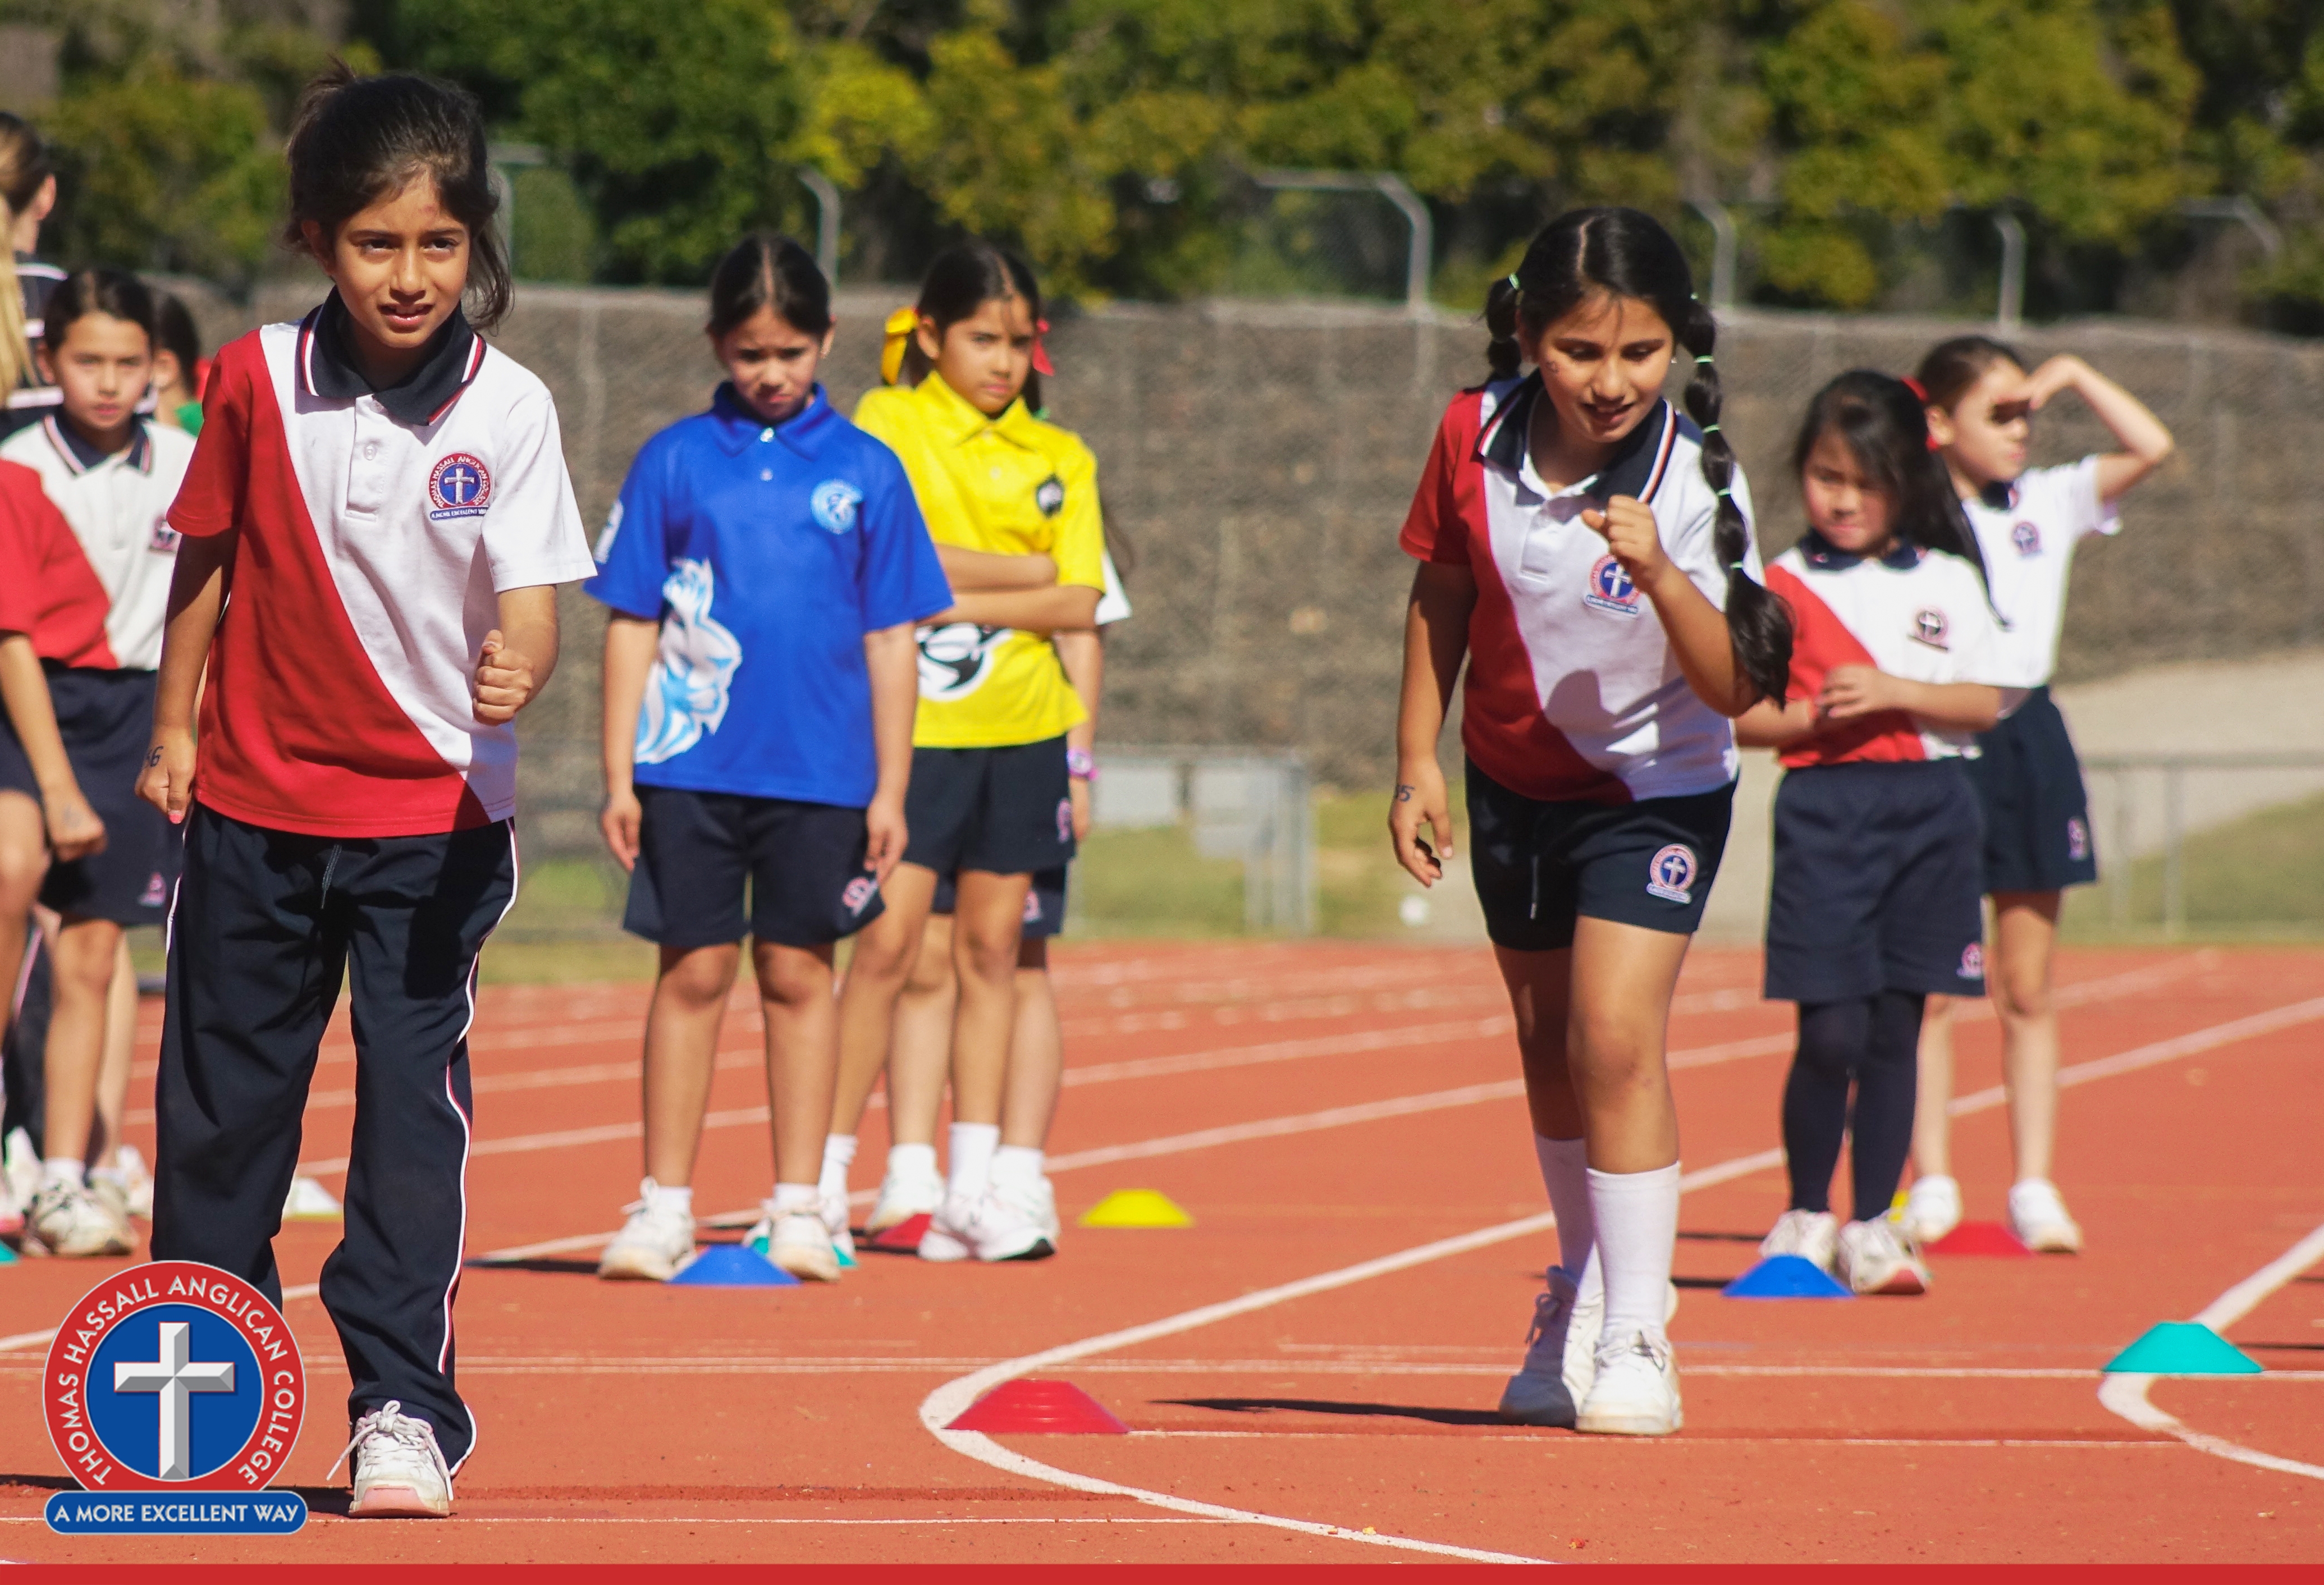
(766, 552)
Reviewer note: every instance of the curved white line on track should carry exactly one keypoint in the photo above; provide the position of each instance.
(2126, 1395)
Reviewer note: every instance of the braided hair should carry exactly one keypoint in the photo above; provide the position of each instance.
(1591, 253)
(1884, 423)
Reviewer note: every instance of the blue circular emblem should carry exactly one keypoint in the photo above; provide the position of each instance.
(1610, 588)
(2027, 536)
(174, 1376)
(834, 504)
(459, 485)
(1670, 873)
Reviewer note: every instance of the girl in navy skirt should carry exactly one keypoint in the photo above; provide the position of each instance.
(2037, 825)
(1874, 904)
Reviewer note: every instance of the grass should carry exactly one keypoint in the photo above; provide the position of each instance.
(2257, 878)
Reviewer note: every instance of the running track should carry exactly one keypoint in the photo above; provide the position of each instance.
(1309, 1371)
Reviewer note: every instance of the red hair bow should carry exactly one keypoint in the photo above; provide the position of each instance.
(1920, 394)
(1041, 364)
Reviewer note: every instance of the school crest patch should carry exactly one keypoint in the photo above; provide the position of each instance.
(1670, 873)
(834, 503)
(1611, 589)
(459, 485)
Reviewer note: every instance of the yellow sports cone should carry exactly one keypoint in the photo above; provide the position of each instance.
(1136, 1208)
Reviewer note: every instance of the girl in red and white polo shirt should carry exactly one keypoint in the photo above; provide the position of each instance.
(1587, 550)
(1874, 904)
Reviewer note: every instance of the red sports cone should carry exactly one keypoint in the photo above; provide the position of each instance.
(1054, 1408)
(1980, 1237)
(904, 1237)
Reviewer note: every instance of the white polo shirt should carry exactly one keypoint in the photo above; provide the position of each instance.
(376, 530)
(119, 509)
(1913, 613)
(2028, 531)
(1573, 692)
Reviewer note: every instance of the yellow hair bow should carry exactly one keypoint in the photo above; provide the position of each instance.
(900, 328)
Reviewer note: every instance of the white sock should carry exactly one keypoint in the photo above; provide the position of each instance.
(838, 1156)
(1016, 1164)
(971, 1148)
(664, 1197)
(797, 1200)
(63, 1169)
(1637, 1214)
(917, 1161)
(1565, 1173)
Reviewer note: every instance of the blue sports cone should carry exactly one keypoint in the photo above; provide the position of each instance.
(7, 1256)
(1786, 1276)
(730, 1266)
(2183, 1348)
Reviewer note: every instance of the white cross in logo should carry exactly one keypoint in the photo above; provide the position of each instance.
(459, 485)
(175, 1379)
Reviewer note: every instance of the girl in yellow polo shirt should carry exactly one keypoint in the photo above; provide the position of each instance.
(1011, 502)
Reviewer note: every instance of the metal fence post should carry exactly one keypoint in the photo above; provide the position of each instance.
(826, 221)
(2010, 311)
(2175, 850)
(2126, 832)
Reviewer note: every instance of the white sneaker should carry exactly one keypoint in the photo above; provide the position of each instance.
(22, 1165)
(65, 1219)
(903, 1196)
(2037, 1215)
(796, 1241)
(995, 1226)
(1561, 1359)
(1044, 1196)
(399, 1471)
(1874, 1257)
(1931, 1210)
(654, 1245)
(12, 1215)
(1636, 1392)
(1812, 1235)
(833, 1207)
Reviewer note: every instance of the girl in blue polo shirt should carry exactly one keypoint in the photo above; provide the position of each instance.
(764, 569)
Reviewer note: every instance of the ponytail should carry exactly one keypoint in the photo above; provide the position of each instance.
(25, 167)
(1504, 353)
(1758, 625)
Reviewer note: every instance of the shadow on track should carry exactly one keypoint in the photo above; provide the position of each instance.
(1332, 1406)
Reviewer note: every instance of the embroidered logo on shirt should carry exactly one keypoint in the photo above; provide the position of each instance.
(956, 658)
(694, 668)
(2027, 536)
(458, 486)
(1670, 873)
(164, 540)
(1611, 589)
(2078, 839)
(1973, 961)
(1929, 628)
(834, 504)
(1050, 497)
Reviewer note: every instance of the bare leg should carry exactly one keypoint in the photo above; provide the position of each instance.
(2026, 936)
(1036, 1054)
(1932, 1125)
(689, 1002)
(84, 972)
(1617, 1027)
(885, 950)
(920, 1057)
(1539, 984)
(802, 1052)
(120, 1055)
(24, 862)
(987, 924)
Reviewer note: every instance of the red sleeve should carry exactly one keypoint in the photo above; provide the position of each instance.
(48, 590)
(218, 480)
(1437, 527)
(20, 561)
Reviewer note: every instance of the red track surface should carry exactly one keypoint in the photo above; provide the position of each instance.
(626, 1423)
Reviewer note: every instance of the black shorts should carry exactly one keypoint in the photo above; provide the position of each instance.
(2037, 814)
(1876, 883)
(803, 864)
(1539, 866)
(1007, 811)
(1044, 903)
(106, 721)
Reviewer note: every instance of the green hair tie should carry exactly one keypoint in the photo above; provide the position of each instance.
(1514, 285)
(1701, 358)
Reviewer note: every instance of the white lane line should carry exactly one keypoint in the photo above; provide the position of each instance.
(2126, 1395)
(1668, 1442)
(467, 1518)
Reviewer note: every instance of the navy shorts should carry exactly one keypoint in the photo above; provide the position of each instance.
(106, 721)
(1877, 883)
(1044, 903)
(2037, 814)
(1007, 811)
(1539, 866)
(801, 863)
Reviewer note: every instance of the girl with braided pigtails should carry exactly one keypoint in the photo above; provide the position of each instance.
(1587, 549)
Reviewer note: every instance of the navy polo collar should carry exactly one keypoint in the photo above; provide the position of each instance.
(420, 397)
(1636, 469)
(80, 456)
(1821, 553)
(804, 432)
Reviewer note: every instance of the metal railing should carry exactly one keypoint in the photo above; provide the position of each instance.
(1252, 805)
(2123, 770)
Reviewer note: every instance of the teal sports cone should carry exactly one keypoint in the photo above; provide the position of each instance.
(2183, 1348)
